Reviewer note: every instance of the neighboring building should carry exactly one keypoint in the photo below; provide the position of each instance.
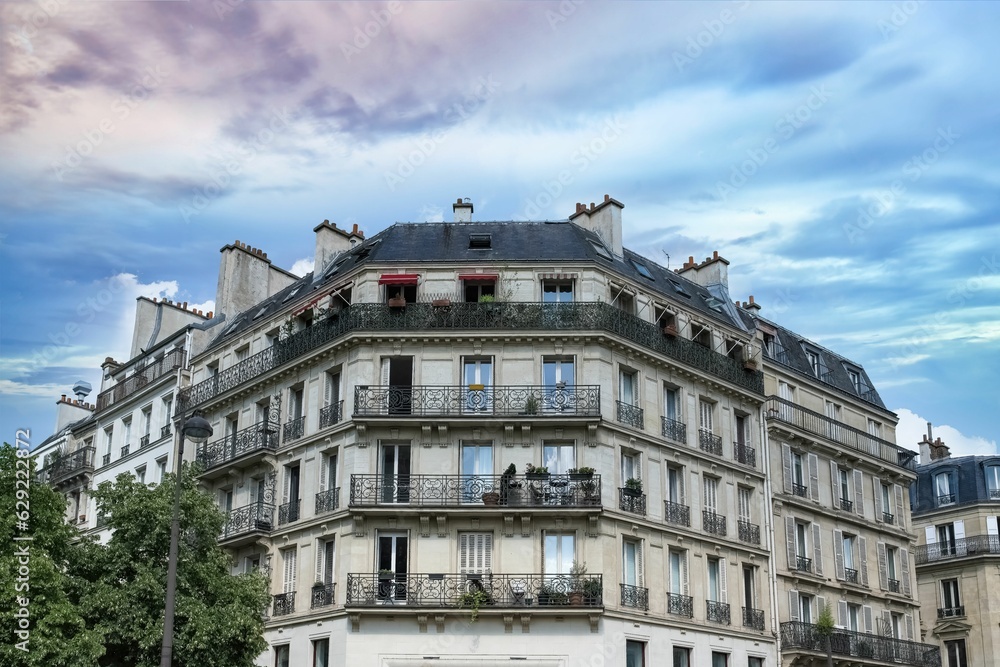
(956, 505)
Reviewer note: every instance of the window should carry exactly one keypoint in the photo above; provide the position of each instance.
(742, 427)
(855, 378)
(642, 269)
(140, 475)
(211, 369)
(993, 481)
(635, 653)
(630, 466)
(628, 387)
(786, 393)
(288, 559)
(294, 403)
(942, 488)
(395, 473)
(559, 552)
(678, 582)
(109, 434)
(749, 587)
(601, 251)
(703, 337)
(710, 496)
(682, 657)
(391, 554)
(853, 617)
(874, 428)
(675, 484)
(168, 411)
(632, 563)
(557, 291)
(671, 403)
(281, 658)
(242, 353)
(705, 410)
(475, 553)
(890, 569)
(744, 498)
(557, 373)
(321, 653)
(477, 288)
(805, 608)
(950, 599)
(127, 430)
(161, 469)
(477, 376)
(754, 661)
(813, 359)
(720, 659)
(798, 475)
(886, 501)
(147, 422)
(477, 461)
(955, 653)
(715, 580)
(558, 457)
(622, 298)
(327, 554)
(480, 241)
(402, 287)
(946, 539)
(801, 547)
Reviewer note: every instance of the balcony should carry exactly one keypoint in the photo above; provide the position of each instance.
(503, 591)
(246, 524)
(745, 454)
(284, 604)
(964, 547)
(800, 490)
(165, 430)
(322, 596)
(894, 585)
(289, 512)
(632, 501)
(846, 505)
(125, 450)
(327, 501)
(781, 410)
(680, 605)
(140, 379)
(676, 514)
(946, 499)
(520, 317)
(753, 619)
(144, 441)
(950, 612)
(888, 518)
(636, 597)
(476, 491)
(630, 415)
(672, 429)
(460, 401)
(331, 414)
(748, 533)
(246, 446)
(709, 442)
(71, 466)
(851, 576)
(293, 430)
(717, 612)
(803, 564)
(106, 459)
(713, 523)
(797, 636)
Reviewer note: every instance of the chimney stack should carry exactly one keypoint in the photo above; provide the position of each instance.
(463, 210)
(932, 449)
(330, 242)
(605, 220)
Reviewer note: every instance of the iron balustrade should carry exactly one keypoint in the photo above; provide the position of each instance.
(846, 505)
(745, 454)
(144, 441)
(629, 501)
(70, 465)
(106, 459)
(748, 532)
(636, 597)
(673, 430)
(946, 499)
(677, 514)
(894, 585)
(800, 490)
(547, 317)
(461, 401)
(951, 612)
(709, 442)
(680, 605)
(753, 618)
(465, 490)
(247, 519)
(963, 547)
(457, 590)
(284, 604)
(851, 576)
(717, 612)
(796, 635)
(140, 378)
(289, 512)
(322, 596)
(713, 523)
(994, 494)
(331, 414)
(262, 436)
(631, 415)
(328, 501)
(125, 450)
(165, 430)
(803, 564)
(888, 518)
(293, 429)
(782, 410)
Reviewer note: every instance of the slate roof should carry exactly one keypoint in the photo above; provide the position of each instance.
(968, 481)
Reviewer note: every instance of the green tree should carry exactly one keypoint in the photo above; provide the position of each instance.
(58, 632)
(218, 618)
(824, 628)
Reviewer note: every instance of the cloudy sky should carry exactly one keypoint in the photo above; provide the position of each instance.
(841, 156)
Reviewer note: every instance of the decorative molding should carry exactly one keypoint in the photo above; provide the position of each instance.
(508, 525)
(422, 622)
(355, 622)
(359, 525)
(595, 620)
(525, 525)
(425, 525)
(363, 444)
(439, 622)
(526, 624)
(442, 524)
(508, 624)
(592, 525)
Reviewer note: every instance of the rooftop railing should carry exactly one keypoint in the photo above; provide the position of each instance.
(138, 379)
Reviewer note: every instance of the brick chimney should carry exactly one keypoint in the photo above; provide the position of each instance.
(932, 450)
(463, 210)
(604, 219)
(713, 271)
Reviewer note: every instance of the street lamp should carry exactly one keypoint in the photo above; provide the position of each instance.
(198, 430)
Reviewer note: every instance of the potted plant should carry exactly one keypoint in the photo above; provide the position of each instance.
(386, 575)
(549, 596)
(441, 303)
(398, 301)
(491, 498)
(576, 582)
(633, 487)
(750, 364)
(474, 600)
(536, 472)
(531, 405)
(590, 496)
(581, 473)
(593, 591)
(486, 298)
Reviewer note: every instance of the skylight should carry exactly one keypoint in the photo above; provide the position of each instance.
(292, 293)
(601, 250)
(480, 241)
(641, 268)
(714, 303)
(679, 289)
(261, 312)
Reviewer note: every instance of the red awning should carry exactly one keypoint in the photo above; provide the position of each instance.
(491, 277)
(398, 279)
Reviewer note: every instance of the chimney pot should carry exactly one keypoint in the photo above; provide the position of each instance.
(209, 314)
(751, 298)
(715, 254)
(607, 197)
(63, 397)
(355, 230)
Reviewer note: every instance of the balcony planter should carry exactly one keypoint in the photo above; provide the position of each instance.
(670, 330)
(750, 365)
(491, 498)
(578, 474)
(441, 303)
(477, 387)
(397, 302)
(632, 488)
(533, 472)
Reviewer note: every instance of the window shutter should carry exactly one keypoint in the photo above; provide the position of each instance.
(877, 487)
(868, 616)
(319, 560)
(328, 555)
(863, 561)
(786, 467)
(904, 559)
(639, 580)
(487, 552)
(463, 552)
(842, 613)
(817, 549)
(883, 567)
(930, 535)
(290, 557)
(723, 592)
(835, 482)
(838, 554)
(814, 477)
(286, 486)
(887, 621)
(900, 515)
(328, 389)
(680, 486)
(960, 546)
(909, 627)
(543, 552)
(323, 462)
(820, 605)
(684, 573)
(793, 605)
(859, 493)
(790, 541)
(991, 526)
(385, 371)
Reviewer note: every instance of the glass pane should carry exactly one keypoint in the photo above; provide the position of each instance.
(629, 558)
(682, 657)
(634, 653)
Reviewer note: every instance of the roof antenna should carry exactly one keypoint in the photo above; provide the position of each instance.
(668, 257)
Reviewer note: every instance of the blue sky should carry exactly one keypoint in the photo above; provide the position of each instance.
(842, 156)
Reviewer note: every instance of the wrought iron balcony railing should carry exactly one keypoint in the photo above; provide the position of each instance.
(364, 317)
(946, 499)
(748, 532)
(289, 512)
(709, 442)
(680, 605)
(799, 636)
(803, 564)
(472, 490)
(673, 430)
(328, 501)
(951, 612)
(293, 429)
(963, 547)
(247, 519)
(629, 501)
(753, 618)
(713, 523)
(262, 436)
(745, 454)
(106, 459)
(846, 505)
(125, 450)
(455, 590)
(677, 514)
(994, 494)
(322, 596)
(70, 465)
(717, 612)
(165, 430)
(331, 414)
(140, 378)
(782, 410)
(284, 604)
(631, 415)
(144, 441)
(894, 585)
(461, 401)
(636, 597)
(800, 490)
(851, 576)
(888, 518)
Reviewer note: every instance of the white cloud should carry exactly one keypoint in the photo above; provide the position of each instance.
(907, 360)
(302, 266)
(912, 428)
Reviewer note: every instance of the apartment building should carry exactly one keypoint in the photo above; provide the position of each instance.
(956, 506)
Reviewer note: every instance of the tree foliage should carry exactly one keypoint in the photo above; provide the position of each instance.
(825, 622)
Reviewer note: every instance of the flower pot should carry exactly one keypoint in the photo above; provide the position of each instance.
(577, 476)
(397, 302)
(750, 365)
(632, 493)
(440, 303)
(536, 475)
(670, 330)
(576, 598)
(491, 498)
(476, 387)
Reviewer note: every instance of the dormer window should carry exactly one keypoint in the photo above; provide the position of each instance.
(480, 241)
(855, 377)
(943, 489)
(813, 358)
(679, 288)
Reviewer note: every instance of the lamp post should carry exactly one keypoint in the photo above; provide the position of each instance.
(198, 429)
